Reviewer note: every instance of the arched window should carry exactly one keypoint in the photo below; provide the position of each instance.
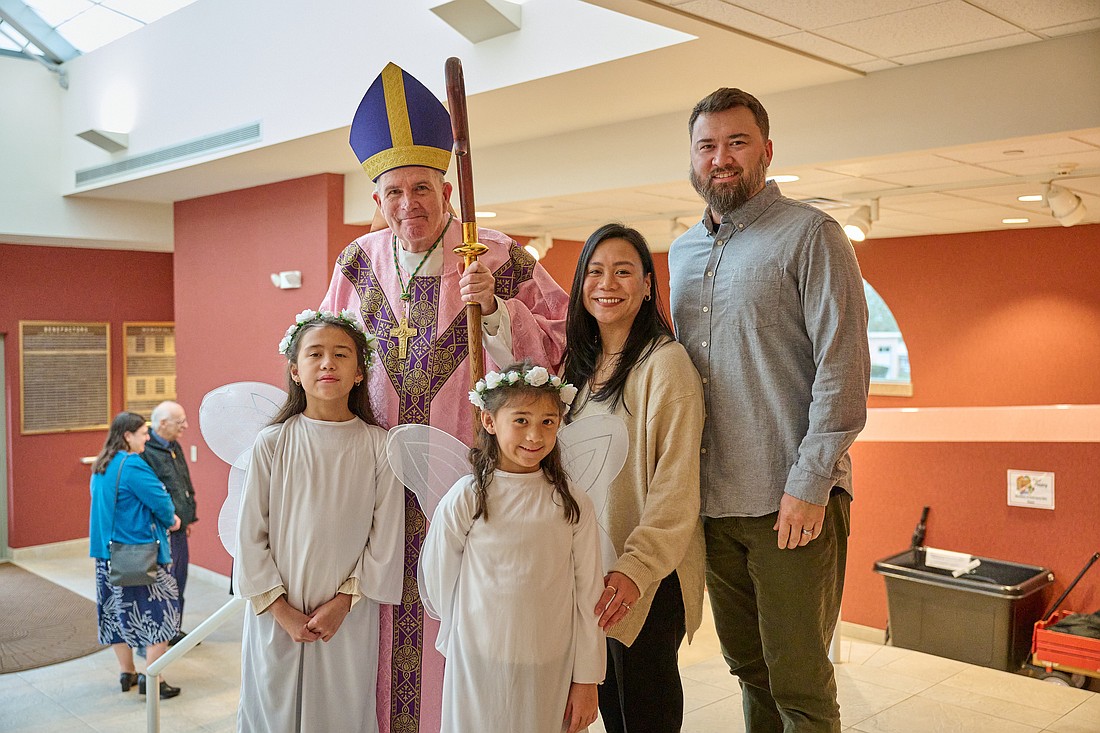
(889, 354)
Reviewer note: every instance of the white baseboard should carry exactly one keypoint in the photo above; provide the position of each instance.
(862, 633)
(208, 576)
(52, 551)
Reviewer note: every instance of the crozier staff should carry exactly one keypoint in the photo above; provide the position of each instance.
(409, 288)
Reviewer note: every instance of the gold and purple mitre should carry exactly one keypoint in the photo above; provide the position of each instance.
(399, 123)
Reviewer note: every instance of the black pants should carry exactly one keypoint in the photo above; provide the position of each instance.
(181, 559)
(642, 692)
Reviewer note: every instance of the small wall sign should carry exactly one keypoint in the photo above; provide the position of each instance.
(1031, 488)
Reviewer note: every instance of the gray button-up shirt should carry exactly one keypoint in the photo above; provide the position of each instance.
(771, 309)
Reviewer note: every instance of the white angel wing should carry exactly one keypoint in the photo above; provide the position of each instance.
(230, 418)
(427, 460)
(594, 450)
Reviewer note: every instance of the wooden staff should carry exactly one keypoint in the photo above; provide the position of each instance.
(470, 248)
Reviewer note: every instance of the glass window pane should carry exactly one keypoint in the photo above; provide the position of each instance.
(56, 12)
(889, 354)
(146, 10)
(97, 27)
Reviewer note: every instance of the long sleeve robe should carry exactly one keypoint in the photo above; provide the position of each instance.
(321, 506)
(515, 595)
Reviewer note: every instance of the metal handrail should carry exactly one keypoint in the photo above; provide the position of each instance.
(186, 644)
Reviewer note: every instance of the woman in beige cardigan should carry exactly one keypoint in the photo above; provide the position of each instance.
(621, 353)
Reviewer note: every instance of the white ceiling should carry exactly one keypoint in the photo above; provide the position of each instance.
(792, 44)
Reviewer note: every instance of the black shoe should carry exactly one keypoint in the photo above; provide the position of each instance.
(127, 680)
(178, 638)
(166, 690)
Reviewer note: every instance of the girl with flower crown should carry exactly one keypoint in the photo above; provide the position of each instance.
(511, 567)
(319, 542)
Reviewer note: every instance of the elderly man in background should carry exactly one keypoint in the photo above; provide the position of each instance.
(166, 457)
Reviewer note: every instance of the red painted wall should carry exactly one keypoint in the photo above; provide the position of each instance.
(230, 318)
(994, 318)
(47, 484)
(991, 318)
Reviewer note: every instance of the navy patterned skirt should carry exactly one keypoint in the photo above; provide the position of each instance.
(140, 615)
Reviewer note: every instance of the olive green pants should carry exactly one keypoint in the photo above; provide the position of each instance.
(775, 612)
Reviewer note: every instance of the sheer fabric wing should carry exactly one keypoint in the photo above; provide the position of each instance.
(593, 451)
(428, 461)
(230, 418)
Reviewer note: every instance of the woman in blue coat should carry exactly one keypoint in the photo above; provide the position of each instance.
(132, 616)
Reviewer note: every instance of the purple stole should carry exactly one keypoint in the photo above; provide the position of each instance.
(435, 353)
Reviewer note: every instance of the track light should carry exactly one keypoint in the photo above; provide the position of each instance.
(858, 225)
(1065, 205)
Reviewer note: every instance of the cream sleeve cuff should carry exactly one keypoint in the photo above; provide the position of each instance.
(264, 600)
(351, 588)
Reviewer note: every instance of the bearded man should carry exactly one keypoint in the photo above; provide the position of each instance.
(409, 288)
(768, 299)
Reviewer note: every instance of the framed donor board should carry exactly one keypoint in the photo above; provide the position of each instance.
(149, 363)
(64, 376)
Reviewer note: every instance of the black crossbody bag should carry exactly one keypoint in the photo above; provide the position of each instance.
(130, 565)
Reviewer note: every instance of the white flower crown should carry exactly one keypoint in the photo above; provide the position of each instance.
(308, 317)
(535, 376)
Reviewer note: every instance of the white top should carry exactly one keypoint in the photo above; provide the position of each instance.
(515, 596)
(321, 507)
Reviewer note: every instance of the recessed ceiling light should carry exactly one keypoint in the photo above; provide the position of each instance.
(783, 179)
(1030, 197)
(1015, 221)
(491, 214)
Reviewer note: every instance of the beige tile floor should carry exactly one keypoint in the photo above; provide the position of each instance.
(882, 689)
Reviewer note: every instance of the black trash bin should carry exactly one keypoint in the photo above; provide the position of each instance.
(984, 617)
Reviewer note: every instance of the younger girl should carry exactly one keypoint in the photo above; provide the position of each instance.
(319, 541)
(511, 566)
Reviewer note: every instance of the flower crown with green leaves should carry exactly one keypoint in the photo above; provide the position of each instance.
(536, 376)
(309, 317)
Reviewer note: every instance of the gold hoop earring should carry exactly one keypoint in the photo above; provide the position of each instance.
(647, 296)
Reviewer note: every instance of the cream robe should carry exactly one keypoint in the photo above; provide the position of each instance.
(515, 595)
(320, 506)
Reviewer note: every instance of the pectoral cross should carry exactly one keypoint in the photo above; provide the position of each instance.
(403, 332)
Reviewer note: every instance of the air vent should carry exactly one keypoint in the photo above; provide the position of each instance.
(201, 146)
(826, 204)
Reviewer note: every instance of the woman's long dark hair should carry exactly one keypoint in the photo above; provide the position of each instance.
(485, 455)
(124, 422)
(358, 399)
(582, 333)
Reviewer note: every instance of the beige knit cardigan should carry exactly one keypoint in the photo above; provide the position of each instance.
(653, 505)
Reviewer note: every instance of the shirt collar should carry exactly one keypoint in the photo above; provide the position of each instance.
(748, 212)
(160, 441)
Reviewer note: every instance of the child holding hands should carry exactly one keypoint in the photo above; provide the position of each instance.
(319, 541)
(511, 565)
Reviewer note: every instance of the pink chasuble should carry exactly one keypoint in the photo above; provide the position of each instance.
(429, 386)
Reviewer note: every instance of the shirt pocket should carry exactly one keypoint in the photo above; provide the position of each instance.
(753, 297)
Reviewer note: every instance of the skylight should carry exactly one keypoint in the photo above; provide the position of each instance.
(55, 29)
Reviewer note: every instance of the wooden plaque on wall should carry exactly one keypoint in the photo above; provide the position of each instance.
(64, 376)
(149, 350)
